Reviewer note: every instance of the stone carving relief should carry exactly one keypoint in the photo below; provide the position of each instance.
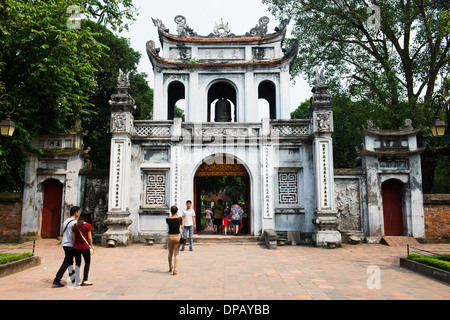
(183, 29)
(221, 30)
(151, 48)
(347, 204)
(124, 79)
(283, 25)
(96, 202)
(180, 53)
(263, 53)
(120, 123)
(260, 30)
(160, 25)
(226, 132)
(323, 121)
(320, 78)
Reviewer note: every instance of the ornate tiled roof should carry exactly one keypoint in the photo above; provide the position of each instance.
(220, 48)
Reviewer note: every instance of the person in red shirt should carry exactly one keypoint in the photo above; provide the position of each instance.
(82, 241)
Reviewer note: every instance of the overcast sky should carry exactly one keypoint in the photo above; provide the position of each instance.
(202, 15)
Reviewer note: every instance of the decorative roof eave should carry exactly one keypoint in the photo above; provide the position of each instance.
(393, 153)
(405, 131)
(171, 38)
(160, 62)
(221, 32)
(391, 133)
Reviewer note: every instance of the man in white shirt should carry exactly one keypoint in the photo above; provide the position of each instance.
(188, 223)
(67, 244)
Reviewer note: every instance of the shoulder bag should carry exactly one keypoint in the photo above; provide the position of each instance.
(68, 225)
(91, 250)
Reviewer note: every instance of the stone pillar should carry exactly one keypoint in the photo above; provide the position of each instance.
(325, 218)
(122, 108)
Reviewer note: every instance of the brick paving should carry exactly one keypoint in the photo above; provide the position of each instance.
(230, 272)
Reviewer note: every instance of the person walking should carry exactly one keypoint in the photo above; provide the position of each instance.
(67, 244)
(225, 222)
(82, 243)
(208, 215)
(188, 224)
(173, 239)
(218, 211)
(236, 216)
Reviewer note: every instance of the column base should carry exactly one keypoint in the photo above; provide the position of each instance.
(117, 233)
(327, 238)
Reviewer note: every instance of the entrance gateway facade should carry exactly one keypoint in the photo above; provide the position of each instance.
(287, 164)
(221, 78)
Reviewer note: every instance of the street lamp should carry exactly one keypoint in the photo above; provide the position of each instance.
(438, 127)
(7, 126)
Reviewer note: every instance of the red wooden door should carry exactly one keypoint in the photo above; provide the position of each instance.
(51, 213)
(392, 207)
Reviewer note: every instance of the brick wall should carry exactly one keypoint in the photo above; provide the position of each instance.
(10, 217)
(437, 217)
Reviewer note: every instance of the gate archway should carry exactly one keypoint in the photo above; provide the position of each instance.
(222, 167)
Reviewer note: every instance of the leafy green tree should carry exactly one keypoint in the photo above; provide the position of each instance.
(395, 69)
(118, 55)
(302, 111)
(49, 69)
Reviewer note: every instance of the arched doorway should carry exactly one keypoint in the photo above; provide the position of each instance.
(222, 90)
(175, 93)
(223, 167)
(392, 194)
(267, 91)
(52, 209)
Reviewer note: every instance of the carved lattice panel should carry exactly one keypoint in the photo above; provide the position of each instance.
(287, 188)
(155, 193)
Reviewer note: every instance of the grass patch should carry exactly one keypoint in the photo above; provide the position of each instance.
(10, 257)
(438, 261)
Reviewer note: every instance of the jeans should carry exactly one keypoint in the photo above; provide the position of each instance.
(68, 261)
(87, 262)
(191, 239)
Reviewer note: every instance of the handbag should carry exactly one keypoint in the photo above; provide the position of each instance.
(91, 250)
(182, 239)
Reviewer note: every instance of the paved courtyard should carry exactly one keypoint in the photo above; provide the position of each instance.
(231, 272)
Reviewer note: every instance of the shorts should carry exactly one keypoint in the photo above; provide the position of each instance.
(224, 222)
(217, 221)
(236, 222)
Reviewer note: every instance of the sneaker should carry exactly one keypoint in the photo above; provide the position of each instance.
(58, 284)
(182, 249)
(190, 249)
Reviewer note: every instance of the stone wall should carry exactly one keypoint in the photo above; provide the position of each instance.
(10, 216)
(437, 217)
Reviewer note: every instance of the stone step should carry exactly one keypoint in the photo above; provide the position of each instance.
(399, 241)
(229, 239)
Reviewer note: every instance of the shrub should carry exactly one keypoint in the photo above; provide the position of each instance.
(435, 261)
(10, 257)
